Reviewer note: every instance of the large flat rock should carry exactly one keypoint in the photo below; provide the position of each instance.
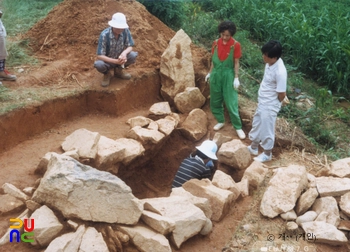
(80, 191)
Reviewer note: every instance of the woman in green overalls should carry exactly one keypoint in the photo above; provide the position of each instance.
(223, 77)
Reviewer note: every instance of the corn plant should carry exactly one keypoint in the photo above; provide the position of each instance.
(315, 34)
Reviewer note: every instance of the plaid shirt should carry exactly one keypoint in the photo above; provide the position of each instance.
(111, 46)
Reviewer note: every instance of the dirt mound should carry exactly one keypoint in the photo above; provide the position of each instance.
(66, 39)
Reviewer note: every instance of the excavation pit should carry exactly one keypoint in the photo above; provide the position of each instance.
(31, 132)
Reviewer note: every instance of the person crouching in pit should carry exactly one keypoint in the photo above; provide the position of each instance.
(198, 165)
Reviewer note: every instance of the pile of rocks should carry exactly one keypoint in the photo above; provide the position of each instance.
(76, 206)
(72, 198)
(319, 205)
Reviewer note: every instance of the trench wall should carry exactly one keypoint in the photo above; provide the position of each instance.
(19, 125)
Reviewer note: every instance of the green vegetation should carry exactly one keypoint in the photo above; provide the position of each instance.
(12, 99)
(315, 33)
(169, 11)
(20, 16)
(304, 27)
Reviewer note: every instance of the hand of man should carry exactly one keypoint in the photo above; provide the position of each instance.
(120, 61)
(123, 57)
(207, 77)
(285, 101)
(236, 83)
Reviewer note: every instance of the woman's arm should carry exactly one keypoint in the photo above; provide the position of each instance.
(236, 68)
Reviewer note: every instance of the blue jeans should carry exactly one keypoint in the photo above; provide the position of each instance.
(104, 67)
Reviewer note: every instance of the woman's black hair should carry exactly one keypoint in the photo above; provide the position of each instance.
(273, 49)
(227, 25)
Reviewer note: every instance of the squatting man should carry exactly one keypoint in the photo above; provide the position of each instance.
(114, 50)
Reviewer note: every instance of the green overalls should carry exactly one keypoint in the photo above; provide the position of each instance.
(221, 89)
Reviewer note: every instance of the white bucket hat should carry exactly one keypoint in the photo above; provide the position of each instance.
(209, 149)
(118, 21)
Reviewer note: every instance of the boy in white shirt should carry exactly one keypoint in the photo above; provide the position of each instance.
(272, 92)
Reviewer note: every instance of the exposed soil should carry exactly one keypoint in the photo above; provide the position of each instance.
(65, 42)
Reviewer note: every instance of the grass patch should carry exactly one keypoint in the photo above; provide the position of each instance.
(22, 97)
(20, 16)
(19, 54)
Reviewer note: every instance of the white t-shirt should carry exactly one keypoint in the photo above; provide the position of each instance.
(274, 82)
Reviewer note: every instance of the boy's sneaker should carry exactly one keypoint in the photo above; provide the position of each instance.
(6, 76)
(240, 133)
(106, 79)
(263, 158)
(218, 126)
(252, 151)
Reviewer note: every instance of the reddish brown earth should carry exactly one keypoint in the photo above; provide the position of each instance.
(65, 42)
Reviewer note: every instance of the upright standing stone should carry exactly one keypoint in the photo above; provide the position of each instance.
(176, 67)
